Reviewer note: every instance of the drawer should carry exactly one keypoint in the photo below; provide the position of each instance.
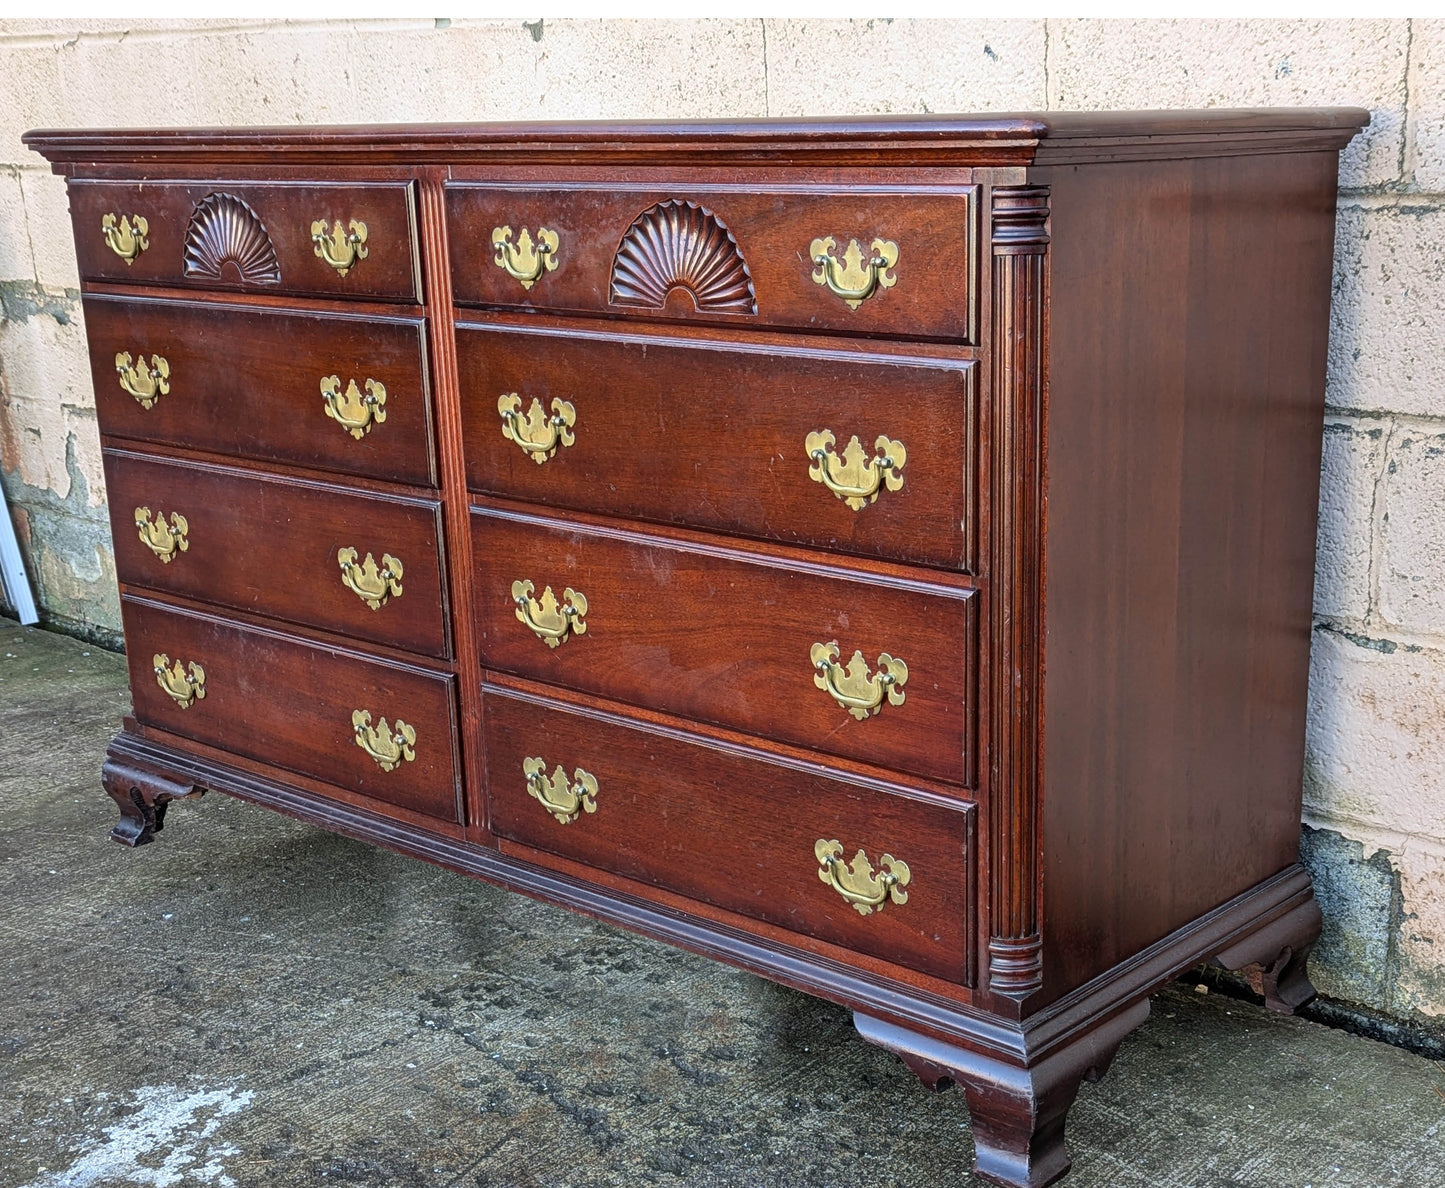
(328, 239)
(253, 382)
(725, 636)
(275, 547)
(377, 728)
(722, 436)
(736, 828)
(743, 257)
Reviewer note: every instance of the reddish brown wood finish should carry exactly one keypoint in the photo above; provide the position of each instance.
(772, 230)
(727, 421)
(736, 828)
(247, 381)
(284, 210)
(270, 546)
(664, 631)
(287, 703)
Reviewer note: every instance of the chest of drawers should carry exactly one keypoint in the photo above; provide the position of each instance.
(877, 554)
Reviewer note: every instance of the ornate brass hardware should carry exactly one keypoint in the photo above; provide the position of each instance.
(350, 409)
(146, 384)
(163, 539)
(126, 237)
(341, 247)
(850, 278)
(552, 622)
(564, 799)
(372, 585)
(390, 747)
(857, 690)
(866, 890)
(537, 433)
(854, 477)
(183, 683)
(525, 262)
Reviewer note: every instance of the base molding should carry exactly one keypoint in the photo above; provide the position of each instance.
(1020, 1075)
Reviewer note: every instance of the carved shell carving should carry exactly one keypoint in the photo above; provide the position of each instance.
(225, 230)
(681, 245)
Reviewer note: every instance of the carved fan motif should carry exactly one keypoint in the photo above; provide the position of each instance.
(224, 230)
(680, 245)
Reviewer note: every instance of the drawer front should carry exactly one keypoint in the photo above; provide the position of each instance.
(329, 239)
(252, 382)
(723, 437)
(901, 262)
(297, 706)
(735, 828)
(723, 636)
(276, 547)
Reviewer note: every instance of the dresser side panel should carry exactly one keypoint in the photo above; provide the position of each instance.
(1189, 318)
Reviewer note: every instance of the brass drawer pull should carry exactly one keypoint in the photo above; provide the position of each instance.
(354, 412)
(183, 683)
(525, 261)
(857, 690)
(537, 433)
(851, 278)
(126, 237)
(341, 247)
(390, 747)
(163, 539)
(146, 384)
(854, 477)
(867, 890)
(564, 799)
(552, 622)
(372, 585)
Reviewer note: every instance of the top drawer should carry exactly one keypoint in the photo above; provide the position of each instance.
(340, 239)
(882, 262)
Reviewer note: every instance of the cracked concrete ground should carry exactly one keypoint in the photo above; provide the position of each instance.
(253, 1002)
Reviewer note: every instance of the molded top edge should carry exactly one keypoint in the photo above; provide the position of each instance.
(1008, 138)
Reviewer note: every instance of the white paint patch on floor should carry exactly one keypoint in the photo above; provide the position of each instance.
(167, 1120)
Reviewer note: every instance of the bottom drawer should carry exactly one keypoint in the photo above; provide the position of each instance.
(381, 729)
(727, 825)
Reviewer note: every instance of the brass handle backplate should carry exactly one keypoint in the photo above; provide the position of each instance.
(854, 477)
(164, 539)
(565, 799)
(538, 434)
(184, 683)
(553, 622)
(353, 411)
(525, 261)
(389, 746)
(341, 247)
(126, 237)
(865, 889)
(857, 690)
(146, 384)
(852, 278)
(373, 585)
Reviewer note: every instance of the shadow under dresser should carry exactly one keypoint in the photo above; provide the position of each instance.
(874, 553)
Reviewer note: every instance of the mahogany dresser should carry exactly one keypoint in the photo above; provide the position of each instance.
(874, 553)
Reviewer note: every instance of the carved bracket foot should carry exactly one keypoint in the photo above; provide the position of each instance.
(142, 792)
(1018, 1111)
(1281, 949)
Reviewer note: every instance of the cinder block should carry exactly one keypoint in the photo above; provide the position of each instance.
(1375, 743)
(29, 97)
(44, 380)
(1353, 457)
(1388, 315)
(47, 212)
(1243, 63)
(1420, 984)
(1427, 104)
(1412, 567)
(831, 67)
(1355, 885)
(17, 261)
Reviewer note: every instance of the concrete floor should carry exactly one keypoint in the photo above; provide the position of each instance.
(253, 1002)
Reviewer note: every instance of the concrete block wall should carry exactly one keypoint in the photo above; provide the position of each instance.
(1375, 792)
